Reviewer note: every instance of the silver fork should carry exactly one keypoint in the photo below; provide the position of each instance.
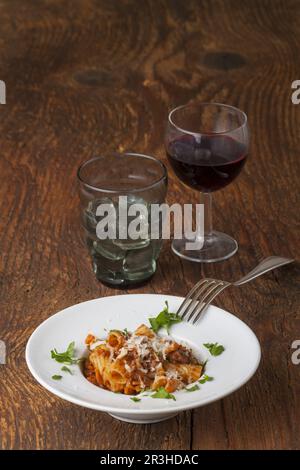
(204, 292)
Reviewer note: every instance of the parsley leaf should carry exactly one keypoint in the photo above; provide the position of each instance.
(164, 319)
(193, 388)
(215, 349)
(66, 369)
(162, 393)
(135, 399)
(66, 357)
(56, 377)
(206, 378)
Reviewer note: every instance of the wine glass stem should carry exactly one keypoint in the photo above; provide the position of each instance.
(206, 200)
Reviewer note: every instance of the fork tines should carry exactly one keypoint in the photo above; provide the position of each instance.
(199, 297)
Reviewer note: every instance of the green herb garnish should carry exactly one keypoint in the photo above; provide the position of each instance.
(66, 369)
(66, 357)
(124, 332)
(56, 377)
(145, 392)
(135, 399)
(162, 393)
(204, 363)
(193, 388)
(215, 349)
(164, 319)
(205, 378)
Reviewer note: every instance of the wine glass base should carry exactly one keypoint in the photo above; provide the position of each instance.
(217, 247)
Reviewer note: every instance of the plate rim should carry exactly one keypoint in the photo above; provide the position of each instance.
(137, 411)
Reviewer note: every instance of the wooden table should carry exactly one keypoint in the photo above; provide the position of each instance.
(85, 77)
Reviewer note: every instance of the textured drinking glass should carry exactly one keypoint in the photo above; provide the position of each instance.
(102, 180)
(207, 146)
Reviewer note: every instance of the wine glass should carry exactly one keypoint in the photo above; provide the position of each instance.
(207, 146)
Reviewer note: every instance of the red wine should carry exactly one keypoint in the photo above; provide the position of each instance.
(208, 164)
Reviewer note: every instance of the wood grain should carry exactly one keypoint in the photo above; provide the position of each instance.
(86, 77)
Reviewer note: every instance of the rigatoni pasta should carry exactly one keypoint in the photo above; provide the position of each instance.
(132, 362)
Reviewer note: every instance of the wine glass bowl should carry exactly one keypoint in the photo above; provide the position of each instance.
(207, 147)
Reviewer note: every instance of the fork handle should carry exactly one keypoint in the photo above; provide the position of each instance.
(264, 266)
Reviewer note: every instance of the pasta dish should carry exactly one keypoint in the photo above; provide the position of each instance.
(130, 363)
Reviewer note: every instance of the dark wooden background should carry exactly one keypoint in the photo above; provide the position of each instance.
(85, 77)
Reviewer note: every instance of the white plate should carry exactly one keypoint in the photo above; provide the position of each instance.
(233, 368)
